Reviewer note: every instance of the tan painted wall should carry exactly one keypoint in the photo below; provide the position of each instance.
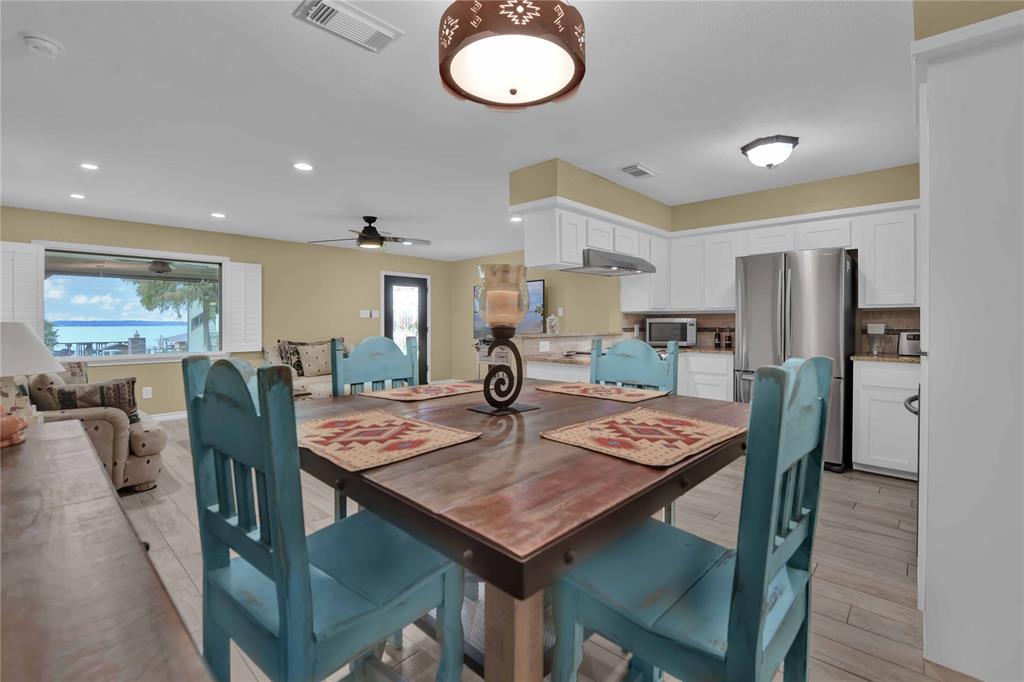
(309, 292)
(560, 178)
(591, 304)
(862, 189)
(938, 16)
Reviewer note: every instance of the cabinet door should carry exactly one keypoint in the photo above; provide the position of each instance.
(571, 229)
(884, 432)
(637, 292)
(685, 277)
(770, 239)
(720, 252)
(887, 259)
(600, 235)
(626, 241)
(660, 282)
(823, 234)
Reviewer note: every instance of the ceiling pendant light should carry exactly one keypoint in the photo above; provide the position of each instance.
(511, 54)
(769, 152)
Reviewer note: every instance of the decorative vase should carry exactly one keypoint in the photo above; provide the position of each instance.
(503, 299)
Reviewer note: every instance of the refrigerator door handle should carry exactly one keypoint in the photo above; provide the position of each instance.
(780, 351)
(787, 314)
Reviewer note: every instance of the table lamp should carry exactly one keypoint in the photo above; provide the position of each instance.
(21, 353)
(503, 299)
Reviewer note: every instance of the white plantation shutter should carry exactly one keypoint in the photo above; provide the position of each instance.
(21, 284)
(243, 311)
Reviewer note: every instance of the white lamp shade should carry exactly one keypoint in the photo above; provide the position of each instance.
(21, 351)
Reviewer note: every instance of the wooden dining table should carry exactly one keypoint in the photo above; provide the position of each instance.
(513, 508)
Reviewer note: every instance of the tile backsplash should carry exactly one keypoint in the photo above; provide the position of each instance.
(707, 324)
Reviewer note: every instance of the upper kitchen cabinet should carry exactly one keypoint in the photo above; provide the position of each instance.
(601, 235)
(554, 239)
(886, 244)
(686, 278)
(823, 234)
(719, 274)
(775, 239)
(641, 293)
(626, 241)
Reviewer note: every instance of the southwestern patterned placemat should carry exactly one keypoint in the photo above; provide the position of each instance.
(373, 438)
(426, 391)
(645, 436)
(620, 393)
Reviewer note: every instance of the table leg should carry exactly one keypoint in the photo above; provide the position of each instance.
(514, 637)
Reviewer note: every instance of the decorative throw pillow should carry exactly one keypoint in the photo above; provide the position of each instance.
(316, 360)
(117, 393)
(290, 352)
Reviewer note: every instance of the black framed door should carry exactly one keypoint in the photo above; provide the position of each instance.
(405, 314)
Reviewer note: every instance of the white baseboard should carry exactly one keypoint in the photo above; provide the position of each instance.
(168, 416)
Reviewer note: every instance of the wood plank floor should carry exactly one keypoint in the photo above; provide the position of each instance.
(865, 623)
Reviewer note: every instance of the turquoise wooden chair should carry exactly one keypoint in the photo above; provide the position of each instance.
(300, 606)
(700, 611)
(635, 364)
(375, 361)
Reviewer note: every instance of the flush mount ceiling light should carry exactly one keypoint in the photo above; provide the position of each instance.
(511, 54)
(768, 152)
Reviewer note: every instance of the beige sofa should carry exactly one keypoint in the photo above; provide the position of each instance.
(130, 452)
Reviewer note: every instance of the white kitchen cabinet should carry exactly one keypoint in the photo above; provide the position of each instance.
(640, 293)
(571, 228)
(775, 239)
(627, 241)
(884, 432)
(600, 235)
(822, 234)
(686, 280)
(706, 375)
(886, 245)
(554, 239)
(719, 272)
(557, 371)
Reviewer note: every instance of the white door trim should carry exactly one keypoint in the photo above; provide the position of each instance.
(430, 324)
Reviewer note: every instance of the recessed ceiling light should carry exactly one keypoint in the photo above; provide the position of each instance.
(89, 166)
(77, 196)
(303, 166)
(218, 215)
(768, 152)
(516, 219)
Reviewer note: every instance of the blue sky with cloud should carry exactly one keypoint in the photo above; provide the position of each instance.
(96, 298)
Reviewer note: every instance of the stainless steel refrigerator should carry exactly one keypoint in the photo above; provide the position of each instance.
(797, 305)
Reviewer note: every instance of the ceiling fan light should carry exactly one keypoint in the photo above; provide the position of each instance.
(768, 152)
(365, 242)
(512, 54)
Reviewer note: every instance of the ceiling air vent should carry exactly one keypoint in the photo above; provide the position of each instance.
(348, 21)
(638, 170)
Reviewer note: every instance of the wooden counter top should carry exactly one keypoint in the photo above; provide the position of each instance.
(80, 598)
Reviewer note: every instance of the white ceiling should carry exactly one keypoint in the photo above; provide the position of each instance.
(194, 107)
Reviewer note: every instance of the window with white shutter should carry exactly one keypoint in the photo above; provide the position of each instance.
(21, 284)
(243, 312)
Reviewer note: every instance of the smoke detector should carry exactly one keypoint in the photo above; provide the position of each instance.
(42, 45)
(638, 170)
(348, 21)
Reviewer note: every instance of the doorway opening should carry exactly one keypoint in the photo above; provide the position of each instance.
(407, 313)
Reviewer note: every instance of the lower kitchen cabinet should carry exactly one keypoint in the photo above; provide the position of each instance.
(706, 375)
(557, 371)
(884, 431)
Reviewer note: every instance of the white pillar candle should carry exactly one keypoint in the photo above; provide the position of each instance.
(502, 308)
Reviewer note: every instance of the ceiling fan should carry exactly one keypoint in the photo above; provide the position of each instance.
(370, 238)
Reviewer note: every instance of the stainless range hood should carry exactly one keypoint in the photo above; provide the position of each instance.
(608, 264)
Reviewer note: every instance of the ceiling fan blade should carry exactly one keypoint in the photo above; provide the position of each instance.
(408, 240)
(324, 241)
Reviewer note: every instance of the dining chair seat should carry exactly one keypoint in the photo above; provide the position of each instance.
(347, 586)
(696, 609)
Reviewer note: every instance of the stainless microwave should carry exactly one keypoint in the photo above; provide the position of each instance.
(661, 330)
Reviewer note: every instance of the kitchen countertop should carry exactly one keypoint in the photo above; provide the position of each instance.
(887, 357)
(585, 359)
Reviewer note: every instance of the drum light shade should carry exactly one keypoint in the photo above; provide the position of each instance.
(511, 54)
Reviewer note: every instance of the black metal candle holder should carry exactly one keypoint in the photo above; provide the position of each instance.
(502, 385)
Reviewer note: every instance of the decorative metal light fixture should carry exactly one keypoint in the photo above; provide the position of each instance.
(768, 152)
(511, 53)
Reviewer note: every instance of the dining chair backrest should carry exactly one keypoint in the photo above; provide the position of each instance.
(246, 464)
(635, 364)
(375, 361)
(781, 487)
